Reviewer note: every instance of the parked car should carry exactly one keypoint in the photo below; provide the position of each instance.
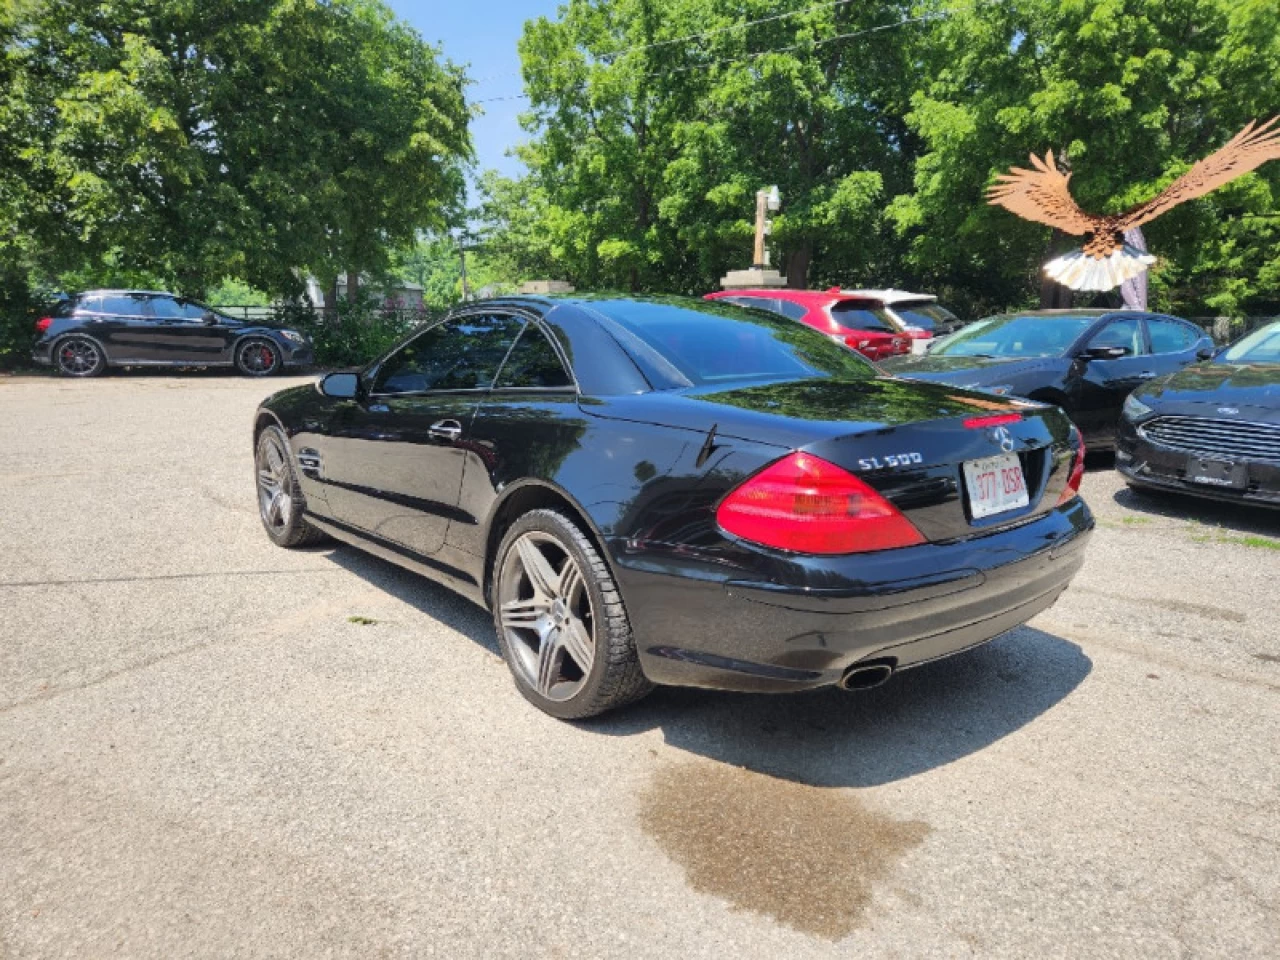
(1211, 430)
(1084, 361)
(681, 492)
(918, 315)
(857, 324)
(88, 332)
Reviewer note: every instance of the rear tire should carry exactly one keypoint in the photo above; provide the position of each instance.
(78, 357)
(280, 502)
(258, 357)
(560, 620)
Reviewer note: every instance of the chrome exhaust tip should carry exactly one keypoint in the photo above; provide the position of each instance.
(864, 676)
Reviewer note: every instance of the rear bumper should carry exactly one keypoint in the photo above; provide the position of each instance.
(1144, 464)
(908, 606)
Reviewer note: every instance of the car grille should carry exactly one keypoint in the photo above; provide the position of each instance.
(1234, 439)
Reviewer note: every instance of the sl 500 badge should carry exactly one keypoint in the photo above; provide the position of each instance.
(892, 460)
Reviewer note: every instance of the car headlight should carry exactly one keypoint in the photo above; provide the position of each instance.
(1134, 409)
(293, 335)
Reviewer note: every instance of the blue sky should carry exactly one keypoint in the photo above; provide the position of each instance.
(482, 35)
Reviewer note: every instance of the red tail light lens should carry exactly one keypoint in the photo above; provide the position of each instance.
(43, 324)
(804, 504)
(993, 420)
(1074, 479)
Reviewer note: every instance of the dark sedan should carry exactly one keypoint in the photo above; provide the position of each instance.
(1084, 361)
(85, 334)
(681, 492)
(1212, 430)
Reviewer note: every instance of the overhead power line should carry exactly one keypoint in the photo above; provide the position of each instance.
(761, 53)
(688, 37)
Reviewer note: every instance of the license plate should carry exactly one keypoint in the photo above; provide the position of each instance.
(995, 485)
(1217, 473)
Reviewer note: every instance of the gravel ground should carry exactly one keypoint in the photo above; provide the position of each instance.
(211, 747)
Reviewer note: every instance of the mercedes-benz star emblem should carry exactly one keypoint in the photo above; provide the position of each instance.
(1229, 411)
(1003, 437)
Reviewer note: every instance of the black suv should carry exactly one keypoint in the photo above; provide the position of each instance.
(88, 332)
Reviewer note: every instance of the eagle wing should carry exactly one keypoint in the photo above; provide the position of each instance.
(1247, 150)
(1042, 196)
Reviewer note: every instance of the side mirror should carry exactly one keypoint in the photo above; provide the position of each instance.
(340, 386)
(209, 318)
(1206, 353)
(1105, 353)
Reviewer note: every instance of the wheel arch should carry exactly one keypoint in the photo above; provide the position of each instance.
(57, 341)
(520, 498)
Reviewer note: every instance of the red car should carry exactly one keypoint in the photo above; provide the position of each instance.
(853, 321)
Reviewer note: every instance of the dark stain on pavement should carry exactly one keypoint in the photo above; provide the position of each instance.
(1205, 610)
(1266, 657)
(806, 856)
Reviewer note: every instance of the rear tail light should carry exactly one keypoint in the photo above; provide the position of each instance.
(43, 324)
(804, 504)
(992, 420)
(1074, 479)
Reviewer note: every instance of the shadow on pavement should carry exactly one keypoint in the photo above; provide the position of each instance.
(923, 718)
(1211, 513)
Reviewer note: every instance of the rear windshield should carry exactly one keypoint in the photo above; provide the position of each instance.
(859, 316)
(926, 316)
(1015, 336)
(703, 342)
(1261, 346)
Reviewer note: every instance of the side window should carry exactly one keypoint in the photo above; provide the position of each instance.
(89, 305)
(459, 354)
(1122, 332)
(759, 303)
(124, 305)
(192, 311)
(165, 308)
(532, 362)
(793, 310)
(1171, 336)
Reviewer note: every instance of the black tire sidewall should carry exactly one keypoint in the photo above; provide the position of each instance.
(289, 534)
(566, 534)
(96, 371)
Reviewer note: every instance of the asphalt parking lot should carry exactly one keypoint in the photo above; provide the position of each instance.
(211, 747)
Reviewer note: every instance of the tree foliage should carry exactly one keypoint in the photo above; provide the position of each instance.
(882, 123)
(190, 140)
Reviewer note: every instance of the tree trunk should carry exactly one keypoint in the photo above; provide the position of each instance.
(798, 266)
(353, 286)
(1053, 295)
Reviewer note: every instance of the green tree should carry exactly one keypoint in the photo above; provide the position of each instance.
(647, 148)
(196, 139)
(1130, 92)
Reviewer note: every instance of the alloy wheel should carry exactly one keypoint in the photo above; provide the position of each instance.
(545, 613)
(275, 505)
(78, 358)
(258, 358)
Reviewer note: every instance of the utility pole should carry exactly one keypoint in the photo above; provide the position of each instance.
(462, 259)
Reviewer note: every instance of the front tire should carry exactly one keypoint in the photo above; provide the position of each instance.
(280, 502)
(78, 357)
(561, 624)
(257, 357)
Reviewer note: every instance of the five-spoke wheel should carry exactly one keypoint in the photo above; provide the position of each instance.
(280, 502)
(560, 620)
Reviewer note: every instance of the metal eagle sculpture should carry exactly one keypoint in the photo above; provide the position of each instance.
(1042, 195)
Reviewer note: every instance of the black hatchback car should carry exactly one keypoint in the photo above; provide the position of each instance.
(88, 332)
(681, 492)
(1084, 361)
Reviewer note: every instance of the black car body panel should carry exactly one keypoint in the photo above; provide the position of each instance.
(1090, 390)
(140, 328)
(643, 470)
(1211, 430)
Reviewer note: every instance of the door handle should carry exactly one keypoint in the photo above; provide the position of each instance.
(446, 430)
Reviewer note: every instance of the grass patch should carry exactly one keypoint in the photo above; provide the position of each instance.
(362, 621)
(1134, 521)
(1256, 543)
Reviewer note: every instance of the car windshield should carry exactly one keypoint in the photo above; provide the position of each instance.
(1014, 336)
(1261, 346)
(925, 315)
(703, 343)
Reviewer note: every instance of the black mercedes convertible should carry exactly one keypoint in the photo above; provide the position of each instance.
(681, 492)
(1212, 430)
